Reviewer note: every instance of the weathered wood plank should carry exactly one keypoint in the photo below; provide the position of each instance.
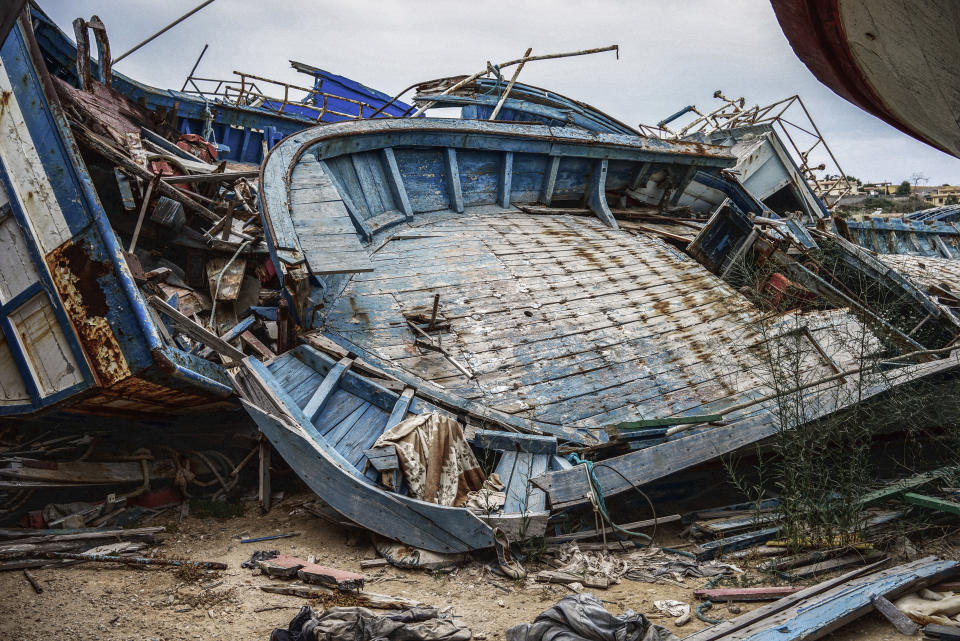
(395, 180)
(322, 395)
(504, 184)
(530, 443)
(597, 194)
(195, 331)
(550, 180)
(452, 176)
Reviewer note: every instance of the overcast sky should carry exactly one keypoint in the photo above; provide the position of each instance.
(671, 54)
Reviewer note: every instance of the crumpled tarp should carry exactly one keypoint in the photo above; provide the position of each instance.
(582, 617)
(650, 565)
(260, 555)
(406, 556)
(927, 607)
(436, 459)
(489, 498)
(361, 624)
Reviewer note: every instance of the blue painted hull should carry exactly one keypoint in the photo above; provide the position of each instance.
(75, 327)
(323, 419)
(241, 132)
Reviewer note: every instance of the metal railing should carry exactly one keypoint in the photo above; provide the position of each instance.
(247, 92)
(805, 139)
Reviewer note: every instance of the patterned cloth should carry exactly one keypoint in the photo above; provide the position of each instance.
(436, 459)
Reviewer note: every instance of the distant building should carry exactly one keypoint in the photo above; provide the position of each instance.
(833, 187)
(879, 189)
(940, 195)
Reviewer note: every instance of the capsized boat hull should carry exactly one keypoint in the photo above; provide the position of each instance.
(895, 60)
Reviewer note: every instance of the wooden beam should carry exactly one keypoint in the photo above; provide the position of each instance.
(211, 177)
(931, 502)
(263, 489)
(454, 189)
(401, 408)
(265, 352)
(589, 534)
(513, 80)
(506, 178)
(509, 441)
(550, 179)
(894, 615)
(326, 389)
(822, 567)
(395, 180)
(196, 331)
(713, 549)
(765, 593)
(597, 194)
(892, 490)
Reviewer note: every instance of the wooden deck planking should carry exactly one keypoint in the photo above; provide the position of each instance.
(321, 221)
(561, 318)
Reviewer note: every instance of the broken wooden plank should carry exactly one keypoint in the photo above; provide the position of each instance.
(367, 599)
(713, 549)
(797, 560)
(566, 578)
(589, 534)
(830, 565)
(931, 502)
(818, 610)
(941, 632)
(367, 564)
(765, 593)
(894, 615)
(196, 331)
(896, 488)
(141, 561)
(212, 178)
(283, 566)
(256, 345)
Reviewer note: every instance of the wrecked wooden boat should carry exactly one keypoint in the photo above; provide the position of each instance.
(324, 419)
(75, 327)
(495, 270)
(238, 117)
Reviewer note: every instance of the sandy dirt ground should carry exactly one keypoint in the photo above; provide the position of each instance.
(104, 602)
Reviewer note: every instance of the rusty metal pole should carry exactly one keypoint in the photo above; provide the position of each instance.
(195, 65)
(164, 30)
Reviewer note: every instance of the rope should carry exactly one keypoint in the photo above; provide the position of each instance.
(706, 605)
(496, 88)
(601, 506)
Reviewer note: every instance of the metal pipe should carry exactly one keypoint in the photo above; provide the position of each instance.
(192, 71)
(164, 30)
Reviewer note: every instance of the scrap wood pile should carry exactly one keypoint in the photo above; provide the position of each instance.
(90, 481)
(189, 223)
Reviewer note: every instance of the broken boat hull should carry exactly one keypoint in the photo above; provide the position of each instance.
(75, 327)
(323, 419)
